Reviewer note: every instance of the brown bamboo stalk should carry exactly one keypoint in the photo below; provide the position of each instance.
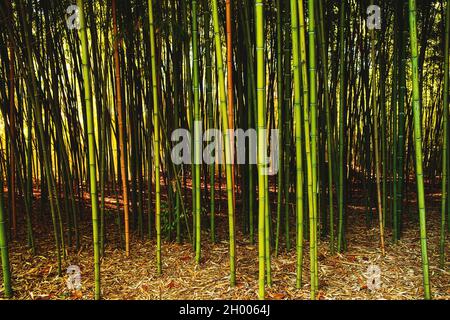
(123, 168)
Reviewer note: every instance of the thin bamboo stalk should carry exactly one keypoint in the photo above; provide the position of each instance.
(156, 146)
(418, 145)
(91, 145)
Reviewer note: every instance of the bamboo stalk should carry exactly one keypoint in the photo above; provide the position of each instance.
(418, 145)
(91, 145)
(121, 124)
(156, 146)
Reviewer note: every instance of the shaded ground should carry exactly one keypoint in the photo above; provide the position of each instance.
(342, 276)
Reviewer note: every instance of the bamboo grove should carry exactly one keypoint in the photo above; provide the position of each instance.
(90, 96)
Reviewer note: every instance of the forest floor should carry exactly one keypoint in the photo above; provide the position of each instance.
(342, 276)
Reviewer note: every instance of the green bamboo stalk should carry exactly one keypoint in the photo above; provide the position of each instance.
(267, 211)
(287, 123)
(197, 131)
(260, 85)
(308, 135)
(313, 123)
(298, 140)
(384, 162)
(91, 145)
(251, 174)
(252, 105)
(210, 112)
(401, 124)
(418, 145)
(341, 231)
(176, 117)
(156, 146)
(4, 245)
(103, 168)
(445, 137)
